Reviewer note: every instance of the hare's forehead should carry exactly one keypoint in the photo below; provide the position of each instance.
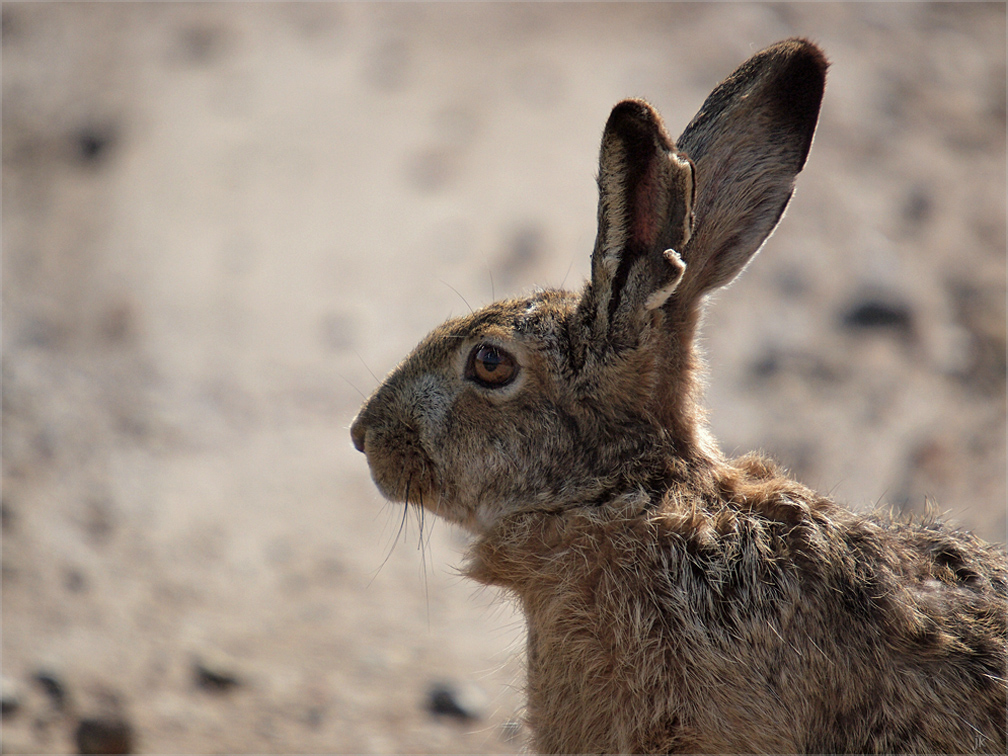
(524, 320)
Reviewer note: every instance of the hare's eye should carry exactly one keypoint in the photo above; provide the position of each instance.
(491, 367)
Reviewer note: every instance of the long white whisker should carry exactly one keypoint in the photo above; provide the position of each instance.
(363, 395)
(422, 547)
(569, 268)
(392, 544)
(402, 525)
(366, 366)
(471, 311)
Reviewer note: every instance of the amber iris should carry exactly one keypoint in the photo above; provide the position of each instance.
(491, 366)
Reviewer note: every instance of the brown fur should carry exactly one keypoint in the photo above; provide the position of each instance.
(678, 601)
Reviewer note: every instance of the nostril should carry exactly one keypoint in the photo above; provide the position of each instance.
(357, 432)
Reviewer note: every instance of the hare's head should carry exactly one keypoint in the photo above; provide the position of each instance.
(562, 399)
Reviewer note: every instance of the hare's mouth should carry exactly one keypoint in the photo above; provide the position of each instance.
(404, 472)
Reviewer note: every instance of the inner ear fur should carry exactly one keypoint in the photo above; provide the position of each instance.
(645, 216)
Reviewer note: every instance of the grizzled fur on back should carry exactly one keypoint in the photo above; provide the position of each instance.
(676, 600)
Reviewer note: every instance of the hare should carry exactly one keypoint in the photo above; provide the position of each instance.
(677, 600)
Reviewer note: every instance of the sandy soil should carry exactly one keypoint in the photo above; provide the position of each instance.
(218, 220)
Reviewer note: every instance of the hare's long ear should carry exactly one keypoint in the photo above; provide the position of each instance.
(748, 143)
(644, 218)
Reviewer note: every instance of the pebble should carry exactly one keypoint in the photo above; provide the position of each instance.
(111, 734)
(93, 143)
(776, 362)
(215, 674)
(465, 702)
(870, 313)
(10, 697)
(53, 687)
(7, 516)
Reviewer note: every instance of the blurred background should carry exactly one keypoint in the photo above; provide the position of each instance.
(222, 221)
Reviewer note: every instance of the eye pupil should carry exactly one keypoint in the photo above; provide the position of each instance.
(490, 358)
(491, 367)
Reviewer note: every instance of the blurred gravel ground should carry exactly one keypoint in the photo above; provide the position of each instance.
(218, 219)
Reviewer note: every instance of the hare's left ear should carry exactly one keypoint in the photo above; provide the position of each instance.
(645, 216)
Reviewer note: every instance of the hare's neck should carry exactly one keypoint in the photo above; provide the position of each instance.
(572, 573)
(677, 399)
(526, 551)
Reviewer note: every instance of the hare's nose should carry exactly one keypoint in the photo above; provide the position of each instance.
(357, 431)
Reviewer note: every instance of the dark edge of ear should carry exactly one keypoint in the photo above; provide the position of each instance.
(748, 142)
(641, 135)
(796, 90)
(799, 89)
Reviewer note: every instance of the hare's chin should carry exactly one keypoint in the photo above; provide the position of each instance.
(400, 469)
(401, 486)
(432, 499)
(419, 485)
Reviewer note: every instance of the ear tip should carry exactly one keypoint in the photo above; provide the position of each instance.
(804, 51)
(802, 67)
(797, 83)
(635, 119)
(632, 107)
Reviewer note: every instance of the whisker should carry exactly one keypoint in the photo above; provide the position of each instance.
(419, 512)
(421, 546)
(363, 395)
(366, 366)
(402, 525)
(471, 311)
(392, 544)
(424, 554)
(569, 267)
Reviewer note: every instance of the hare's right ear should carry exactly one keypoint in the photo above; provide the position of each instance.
(748, 143)
(645, 216)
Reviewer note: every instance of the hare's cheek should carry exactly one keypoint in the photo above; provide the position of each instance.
(414, 409)
(429, 404)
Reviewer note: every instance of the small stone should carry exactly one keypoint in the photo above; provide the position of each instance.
(10, 697)
(314, 716)
(52, 686)
(214, 674)
(93, 143)
(8, 27)
(388, 65)
(99, 520)
(774, 363)
(119, 322)
(871, 313)
(431, 168)
(465, 702)
(767, 365)
(110, 734)
(918, 206)
(74, 580)
(201, 44)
